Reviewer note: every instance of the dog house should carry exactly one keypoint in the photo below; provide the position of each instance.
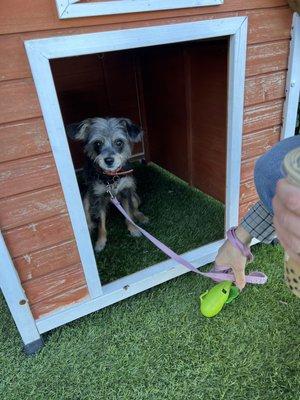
(214, 84)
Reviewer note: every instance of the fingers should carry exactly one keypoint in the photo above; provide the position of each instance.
(295, 5)
(289, 195)
(289, 241)
(286, 206)
(285, 218)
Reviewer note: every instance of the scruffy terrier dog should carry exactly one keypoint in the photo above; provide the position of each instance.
(108, 146)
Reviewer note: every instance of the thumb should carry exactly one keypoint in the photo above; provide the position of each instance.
(239, 273)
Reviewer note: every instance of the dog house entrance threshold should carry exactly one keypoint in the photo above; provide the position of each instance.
(40, 52)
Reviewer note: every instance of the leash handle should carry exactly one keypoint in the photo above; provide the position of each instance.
(255, 277)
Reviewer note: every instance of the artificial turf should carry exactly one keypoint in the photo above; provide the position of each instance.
(180, 216)
(156, 345)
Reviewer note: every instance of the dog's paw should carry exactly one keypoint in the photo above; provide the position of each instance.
(91, 226)
(141, 218)
(134, 232)
(99, 245)
(144, 220)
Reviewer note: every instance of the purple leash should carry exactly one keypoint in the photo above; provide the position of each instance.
(218, 273)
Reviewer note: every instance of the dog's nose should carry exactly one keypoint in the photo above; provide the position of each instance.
(109, 161)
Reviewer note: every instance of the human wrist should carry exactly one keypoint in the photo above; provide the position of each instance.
(243, 235)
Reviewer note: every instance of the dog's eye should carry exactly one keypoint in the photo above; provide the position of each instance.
(98, 145)
(119, 142)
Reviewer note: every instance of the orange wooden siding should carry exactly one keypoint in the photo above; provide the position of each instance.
(33, 214)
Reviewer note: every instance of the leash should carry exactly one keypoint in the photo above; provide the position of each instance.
(217, 274)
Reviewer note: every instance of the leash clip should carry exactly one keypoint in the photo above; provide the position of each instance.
(109, 191)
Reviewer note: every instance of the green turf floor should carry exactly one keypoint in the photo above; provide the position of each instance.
(156, 345)
(182, 217)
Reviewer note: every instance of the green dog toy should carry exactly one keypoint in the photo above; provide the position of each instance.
(212, 301)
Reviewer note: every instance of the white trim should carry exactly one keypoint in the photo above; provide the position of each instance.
(75, 9)
(131, 285)
(236, 83)
(292, 82)
(14, 294)
(101, 42)
(42, 50)
(42, 76)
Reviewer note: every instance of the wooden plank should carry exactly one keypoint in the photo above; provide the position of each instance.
(23, 139)
(259, 142)
(61, 300)
(247, 169)
(39, 263)
(262, 88)
(14, 62)
(13, 59)
(18, 100)
(31, 207)
(39, 235)
(56, 282)
(268, 24)
(248, 192)
(40, 15)
(27, 174)
(263, 116)
(267, 57)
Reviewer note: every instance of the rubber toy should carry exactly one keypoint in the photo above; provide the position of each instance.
(212, 301)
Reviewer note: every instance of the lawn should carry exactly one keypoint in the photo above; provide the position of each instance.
(156, 345)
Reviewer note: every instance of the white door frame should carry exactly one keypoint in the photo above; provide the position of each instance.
(17, 301)
(75, 9)
(292, 82)
(40, 52)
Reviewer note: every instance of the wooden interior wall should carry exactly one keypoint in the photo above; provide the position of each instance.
(185, 95)
(208, 102)
(164, 86)
(33, 214)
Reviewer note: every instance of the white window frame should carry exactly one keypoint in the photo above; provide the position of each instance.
(75, 9)
(40, 52)
(292, 82)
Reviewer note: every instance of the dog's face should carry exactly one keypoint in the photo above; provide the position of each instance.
(107, 141)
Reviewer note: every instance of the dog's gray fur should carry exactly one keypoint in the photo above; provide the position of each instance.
(107, 146)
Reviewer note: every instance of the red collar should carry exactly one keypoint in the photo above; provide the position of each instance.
(118, 172)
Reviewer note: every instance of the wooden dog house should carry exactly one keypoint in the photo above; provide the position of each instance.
(225, 68)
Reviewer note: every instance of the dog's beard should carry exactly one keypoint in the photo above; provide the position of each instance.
(118, 163)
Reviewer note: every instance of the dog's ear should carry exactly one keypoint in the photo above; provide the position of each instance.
(79, 131)
(135, 132)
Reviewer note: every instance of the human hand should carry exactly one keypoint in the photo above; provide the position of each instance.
(295, 5)
(286, 207)
(230, 256)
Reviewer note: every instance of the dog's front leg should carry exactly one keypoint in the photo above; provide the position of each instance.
(86, 206)
(101, 240)
(138, 215)
(132, 229)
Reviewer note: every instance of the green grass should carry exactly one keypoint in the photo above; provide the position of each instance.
(180, 216)
(156, 345)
